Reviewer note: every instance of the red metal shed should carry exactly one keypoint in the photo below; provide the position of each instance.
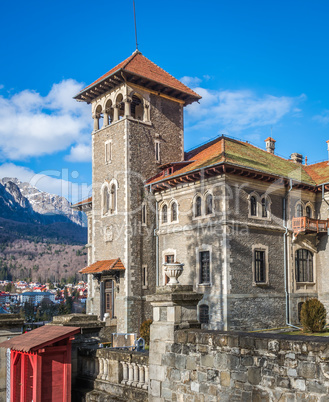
(40, 368)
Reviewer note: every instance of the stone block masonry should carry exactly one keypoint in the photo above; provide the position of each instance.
(229, 366)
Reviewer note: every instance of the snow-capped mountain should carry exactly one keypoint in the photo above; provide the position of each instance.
(24, 201)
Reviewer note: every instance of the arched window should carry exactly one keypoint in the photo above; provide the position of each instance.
(299, 210)
(174, 212)
(198, 206)
(204, 314)
(164, 214)
(113, 194)
(209, 206)
(106, 200)
(253, 206)
(121, 106)
(308, 212)
(109, 112)
(137, 110)
(304, 265)
(264, 207)
(99, 118)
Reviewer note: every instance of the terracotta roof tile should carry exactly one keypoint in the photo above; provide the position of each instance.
(143, 67)
(103, 265)
(86, 201)
(39, 338)
(319, 172)
(242, 154)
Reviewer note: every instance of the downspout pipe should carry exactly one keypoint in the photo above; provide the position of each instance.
(156, 243)
(285, 240)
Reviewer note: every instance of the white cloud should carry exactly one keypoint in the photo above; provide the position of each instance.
(1, 86)
(323, 117)
(238, 110)
(34, 125)
(52, 181)
(79, 153)
(190, 81)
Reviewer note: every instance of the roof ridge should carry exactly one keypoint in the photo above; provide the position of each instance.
(130, 58)
(162, 69)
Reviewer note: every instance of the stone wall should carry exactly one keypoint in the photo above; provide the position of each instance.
(227, 366)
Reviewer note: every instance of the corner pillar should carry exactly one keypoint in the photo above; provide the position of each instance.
(174, 307)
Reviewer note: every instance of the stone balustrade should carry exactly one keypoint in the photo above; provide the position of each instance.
(135, 375)
(115, 372)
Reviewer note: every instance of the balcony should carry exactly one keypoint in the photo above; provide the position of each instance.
(308, 225)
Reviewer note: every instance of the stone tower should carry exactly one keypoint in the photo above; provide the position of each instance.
(138, 126)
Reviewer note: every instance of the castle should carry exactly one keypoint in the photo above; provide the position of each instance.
(250, 227)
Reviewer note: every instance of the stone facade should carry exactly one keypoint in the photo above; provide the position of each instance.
(138, 141)
(122, 234)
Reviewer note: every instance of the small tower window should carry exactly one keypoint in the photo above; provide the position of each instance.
(113, 203)
(144, 277)
(108, 151)
(174, 212)
(260, 266)
(157, 151)
(198, 206)
(144, 217)
(164, 214)
(106, 200)
(209, 207)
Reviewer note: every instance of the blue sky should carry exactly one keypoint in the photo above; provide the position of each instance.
(258, 65)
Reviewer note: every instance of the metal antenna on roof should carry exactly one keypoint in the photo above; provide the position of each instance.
(135, 25)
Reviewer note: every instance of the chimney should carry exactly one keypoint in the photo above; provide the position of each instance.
(297, 158)
(328, 150)
(270, 145)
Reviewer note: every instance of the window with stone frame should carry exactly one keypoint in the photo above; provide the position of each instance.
(209, 204)
(174, 214)
(264, 207)
(304, 265)
(106, 200)
(204, 314)
(299, 210)
(308, 211)
(198, 206)
(253, 206)
(204, 258)
(260, 266)
(164, 214)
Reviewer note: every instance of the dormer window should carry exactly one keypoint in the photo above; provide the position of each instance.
(168, 171)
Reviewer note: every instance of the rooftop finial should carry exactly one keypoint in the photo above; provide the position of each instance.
(135, 25)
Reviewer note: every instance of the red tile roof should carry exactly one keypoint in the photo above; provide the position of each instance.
(140, 65)
(103, 265)
(39, 338)
(319, 172)
(241, 154)
(86, 201)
